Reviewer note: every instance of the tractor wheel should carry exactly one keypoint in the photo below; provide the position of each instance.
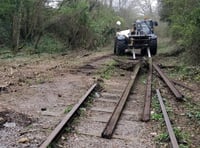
(120, 47)
(153, 47)
(115, 46)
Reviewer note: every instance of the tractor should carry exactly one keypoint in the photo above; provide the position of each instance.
(140, 36)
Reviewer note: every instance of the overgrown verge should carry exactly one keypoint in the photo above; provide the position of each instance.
(188, 73)
(184, 116)
(162, 137)
(184, 21)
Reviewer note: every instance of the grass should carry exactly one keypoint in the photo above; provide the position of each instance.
(182, 137)
(165, 46)
(193, 112)
(80, 113)
(143, 79)
(7, 54)
(185, 122)
(34, 80)
(157, 114)
(108, 70)
(68, 109)
(49, 44)
(163, 137)
(186, 72)
(157, 117)
(183, 70)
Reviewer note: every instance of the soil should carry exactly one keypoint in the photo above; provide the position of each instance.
(37, 90)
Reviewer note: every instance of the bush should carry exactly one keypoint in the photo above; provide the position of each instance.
(48, 44)
(86, 25)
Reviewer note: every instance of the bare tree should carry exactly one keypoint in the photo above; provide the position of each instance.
(144, 7)
(111, 3)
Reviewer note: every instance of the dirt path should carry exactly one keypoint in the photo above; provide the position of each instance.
(37, 93)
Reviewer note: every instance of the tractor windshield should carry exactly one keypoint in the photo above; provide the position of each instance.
(149, 23)
(145, 28)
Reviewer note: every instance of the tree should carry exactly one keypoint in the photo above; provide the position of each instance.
(75, 23)
(145, 8)
(16, 25)
(25, 17)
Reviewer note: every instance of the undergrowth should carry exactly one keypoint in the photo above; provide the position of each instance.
(108, 70)
(163, 137)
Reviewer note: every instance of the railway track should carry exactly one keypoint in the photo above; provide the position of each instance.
(115, 114)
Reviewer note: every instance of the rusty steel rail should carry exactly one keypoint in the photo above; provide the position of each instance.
(60, 127)
(111, 124)
(171, 86)
(147, 105)
(167, 121)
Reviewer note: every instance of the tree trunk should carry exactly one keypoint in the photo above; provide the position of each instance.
(38, 40)
(111, 3)
(16, 26)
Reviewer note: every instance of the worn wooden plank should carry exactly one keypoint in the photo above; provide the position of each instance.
(110, 126)
(147, 105)
(66, 119)
(183, 85)
(96, 109)
(167, 121)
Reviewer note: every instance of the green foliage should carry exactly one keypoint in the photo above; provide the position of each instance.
(108, 71)
(190, 73)
(156, 104)
(184, 19)
(68, 109)
(157, 114)
(193, 112)
(4, 36)
(6, 8)
(183, 146)
(85, 24)
(75, 24)
(103, 25)
(49, 44)
(157, 117)
(7, 56)
(180, 135)
(163, 137)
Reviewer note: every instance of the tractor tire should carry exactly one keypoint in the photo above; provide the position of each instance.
(153, 47)
(115, 46)
(121, 46)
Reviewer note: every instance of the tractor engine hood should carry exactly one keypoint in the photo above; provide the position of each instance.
(125, 33)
